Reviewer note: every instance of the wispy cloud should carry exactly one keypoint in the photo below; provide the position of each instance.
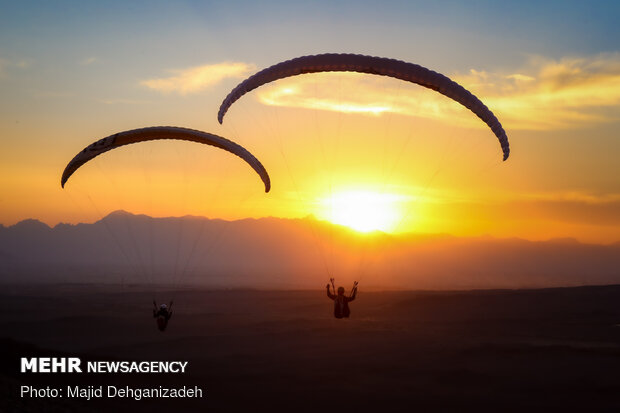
(443, 195)
(548, 215)
(52, 94)
(195, 79)
(545, 94)
(356, 93)
(573, 196)
(88, 61)
(6, 65)
(124, 102)
(601, 212)
(553, 94)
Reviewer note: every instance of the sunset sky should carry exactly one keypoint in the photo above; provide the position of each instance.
(360, 150)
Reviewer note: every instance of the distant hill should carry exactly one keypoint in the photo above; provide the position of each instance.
(288, 253)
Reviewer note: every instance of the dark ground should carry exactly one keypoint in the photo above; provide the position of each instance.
(252, 351)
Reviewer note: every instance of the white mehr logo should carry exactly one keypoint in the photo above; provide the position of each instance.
(50, 365)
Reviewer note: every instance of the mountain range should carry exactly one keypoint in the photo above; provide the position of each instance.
(279, 253)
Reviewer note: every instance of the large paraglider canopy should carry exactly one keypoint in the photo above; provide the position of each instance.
(410, 72)
(163, 132)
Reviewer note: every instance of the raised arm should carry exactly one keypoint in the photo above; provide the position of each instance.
(329, 294)
(354, 293)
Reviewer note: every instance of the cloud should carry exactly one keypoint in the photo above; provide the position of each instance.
(6, 65)
(359, 93)
(195, 79)
(574, 196)
(545, 94)
(575, 207)
(567, 207)
(51, 94)
(552, 94)
(124, 102)
(602, 213)
(88, 61)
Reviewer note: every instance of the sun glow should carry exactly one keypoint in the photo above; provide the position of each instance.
(363, 211)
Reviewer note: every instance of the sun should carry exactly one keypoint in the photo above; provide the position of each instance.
(363, 211)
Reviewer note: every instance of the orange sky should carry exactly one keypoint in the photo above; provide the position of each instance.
(433, 166)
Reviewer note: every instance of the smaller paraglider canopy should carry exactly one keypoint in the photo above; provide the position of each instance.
(163, 132)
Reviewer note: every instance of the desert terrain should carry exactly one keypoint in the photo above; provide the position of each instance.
(250, 350)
